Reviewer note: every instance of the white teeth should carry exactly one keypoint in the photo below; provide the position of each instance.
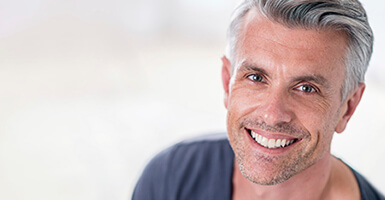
(270, 143)
(278, 143)
(264, 142)
(283, 143)
(259, 138)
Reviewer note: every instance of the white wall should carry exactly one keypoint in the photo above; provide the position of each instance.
(91, 90)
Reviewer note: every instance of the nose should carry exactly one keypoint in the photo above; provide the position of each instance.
(276, 109)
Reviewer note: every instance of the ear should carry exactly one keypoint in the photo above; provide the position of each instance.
(349, 107)
(226, 75)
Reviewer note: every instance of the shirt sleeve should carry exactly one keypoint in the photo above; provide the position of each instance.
(368, 192)
(151, 184)
(198, 168)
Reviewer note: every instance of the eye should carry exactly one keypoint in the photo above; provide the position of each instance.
(255, 77)
(306, 88)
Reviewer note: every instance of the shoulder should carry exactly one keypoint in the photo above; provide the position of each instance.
(368, 192)
(199, 148)
(191, 154)
(195, 149)
(179, 169)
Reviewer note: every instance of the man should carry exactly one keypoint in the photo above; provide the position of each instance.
(293, 75)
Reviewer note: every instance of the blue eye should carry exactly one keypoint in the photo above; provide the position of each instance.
(255, 77)
(306, 88)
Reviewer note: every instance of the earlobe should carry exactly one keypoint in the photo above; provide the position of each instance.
(226, 75)
(350, 106)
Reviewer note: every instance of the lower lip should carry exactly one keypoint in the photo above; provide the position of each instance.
(261, 148)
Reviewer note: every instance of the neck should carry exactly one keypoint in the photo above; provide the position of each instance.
(312, 183)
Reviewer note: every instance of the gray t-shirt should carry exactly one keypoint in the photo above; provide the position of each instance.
(201, 168)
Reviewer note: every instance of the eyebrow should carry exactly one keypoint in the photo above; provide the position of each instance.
(246, 66)
(318, 79)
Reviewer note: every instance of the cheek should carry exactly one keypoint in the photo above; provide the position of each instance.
(320, 122)
(314, 121)
(312, 111)
(243, 101)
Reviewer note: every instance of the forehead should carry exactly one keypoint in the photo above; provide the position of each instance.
(289, 46)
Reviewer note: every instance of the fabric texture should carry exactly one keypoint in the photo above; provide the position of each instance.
(201, 168)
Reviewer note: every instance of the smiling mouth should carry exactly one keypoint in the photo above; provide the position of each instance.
(269, 142)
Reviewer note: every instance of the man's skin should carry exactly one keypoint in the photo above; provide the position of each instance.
(286, 84)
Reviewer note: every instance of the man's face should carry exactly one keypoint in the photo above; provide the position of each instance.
(284, 92)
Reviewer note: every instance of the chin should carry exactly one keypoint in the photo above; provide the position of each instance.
(267, 170)
(266, 177)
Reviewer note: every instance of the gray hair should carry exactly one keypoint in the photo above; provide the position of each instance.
(342, 15)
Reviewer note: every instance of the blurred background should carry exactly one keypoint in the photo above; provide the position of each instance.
(91, 90)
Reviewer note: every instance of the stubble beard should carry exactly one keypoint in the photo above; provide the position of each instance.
(270, 170)
(267, 169)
